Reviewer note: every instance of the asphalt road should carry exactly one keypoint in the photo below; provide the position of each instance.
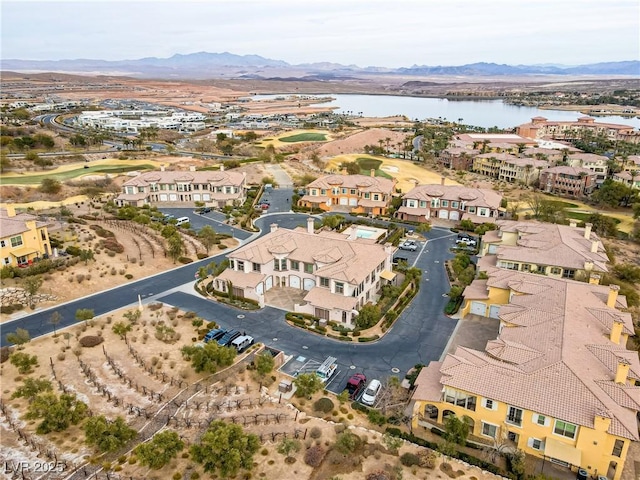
(420, 334)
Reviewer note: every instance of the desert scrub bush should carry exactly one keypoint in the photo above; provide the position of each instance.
(155, 306)
(91, 340)
(61, 356)
(324, 405)
(80, 278)
(122, 271)
(113, 271)
(409, 459)
(314, 456)
(133, 260)
(316, 432)
(128, 276)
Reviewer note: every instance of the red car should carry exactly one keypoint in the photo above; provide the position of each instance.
(355, 384)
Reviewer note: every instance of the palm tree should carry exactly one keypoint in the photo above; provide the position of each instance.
(387, 140)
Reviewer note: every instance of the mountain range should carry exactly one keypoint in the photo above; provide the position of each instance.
(211, 65)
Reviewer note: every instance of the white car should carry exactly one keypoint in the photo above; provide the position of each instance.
(371, 392)
(409, 245)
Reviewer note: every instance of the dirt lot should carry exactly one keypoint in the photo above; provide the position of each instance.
(131, 379)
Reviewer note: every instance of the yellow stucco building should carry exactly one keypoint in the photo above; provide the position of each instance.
(558, 382)
(23, 238)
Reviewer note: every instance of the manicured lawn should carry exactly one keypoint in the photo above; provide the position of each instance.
(367, 164)
(583, 217)
(560, 204)
(305, 137)
(62, 176)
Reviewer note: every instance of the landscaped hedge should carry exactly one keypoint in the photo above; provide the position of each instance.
(368, 339)
(336, 337)
(465, 457)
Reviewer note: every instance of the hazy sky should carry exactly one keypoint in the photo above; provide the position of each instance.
(389, 33)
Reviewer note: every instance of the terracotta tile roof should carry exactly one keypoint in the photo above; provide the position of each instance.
(15, 225)
(574, 171)
(334, 254)
(241, 279)
(198, 177)
(428, 383)
(323, 297)
(364, 183)
(553, 356)
(477, 197)
(552, 245)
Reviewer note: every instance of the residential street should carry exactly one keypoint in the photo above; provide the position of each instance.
(419, 335)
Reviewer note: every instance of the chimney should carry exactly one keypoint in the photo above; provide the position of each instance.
(273, 227)
(372, 172)
(311, 226)
(622, 372)
(613, 296)
(594, 246)
(616, 332)
(602, 421)
(11, 210)
(573, 223)
(442, 179)
(587, 230)
(588, 266)
(594, 278)
(222, 167)
(162, 168)
(192, 168)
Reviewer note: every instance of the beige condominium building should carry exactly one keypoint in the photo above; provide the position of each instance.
(335, 273)
(540, 127)
(23, 238)
(450, 202)
(350, 194)
(213, 188)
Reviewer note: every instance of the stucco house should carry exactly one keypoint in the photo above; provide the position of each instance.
(214, 188)
(23, 238)
(557, 383)
(565, 180)
(450, 202)
(350, 193)
(339, 273)
(563, 251)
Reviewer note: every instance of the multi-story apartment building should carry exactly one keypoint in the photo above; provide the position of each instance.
(494, 142)
(340, 273)
(23, 238)
(568, 181)
(521, 170)
(630, 178)
(553, 156)
(558, 382)
(457, 158)
(450, 202)
(215, 189)
(598, 164)
(540, 127)
(489, 164)
(561, 251)
(350, 193)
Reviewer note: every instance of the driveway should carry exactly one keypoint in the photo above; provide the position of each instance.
(420, 334)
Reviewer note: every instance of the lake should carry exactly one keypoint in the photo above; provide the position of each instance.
(482, 113)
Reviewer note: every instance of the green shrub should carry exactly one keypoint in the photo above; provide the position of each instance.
(128, 276)
(368, 339)
(324, 405)
(185, 260)
(409, 459)
(73, 251)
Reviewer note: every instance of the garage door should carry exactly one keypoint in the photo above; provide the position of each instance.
(260, 288)
(294, 281)
(173, 197)
(309, 283)
(353, 202)
(268, 284)
(344, 201)
(494, 311)
(478, 308)
(443, 214)
(454, 215)
(163, 197)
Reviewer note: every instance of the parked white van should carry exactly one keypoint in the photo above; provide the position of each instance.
(371, 392)
(242, 343)
(182, 220)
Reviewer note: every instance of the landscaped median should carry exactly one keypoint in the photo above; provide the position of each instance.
(373, 320)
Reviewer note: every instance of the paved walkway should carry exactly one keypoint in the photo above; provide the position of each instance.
(284, 298)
